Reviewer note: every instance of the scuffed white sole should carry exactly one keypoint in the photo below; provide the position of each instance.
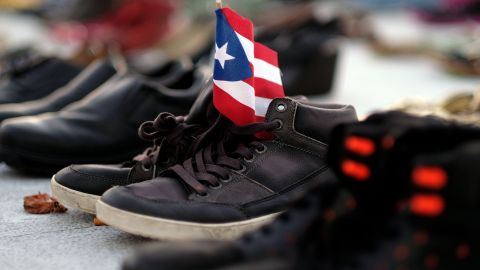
(82, 201)
(167, 229)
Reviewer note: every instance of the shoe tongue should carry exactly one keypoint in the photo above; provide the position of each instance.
(201, 110)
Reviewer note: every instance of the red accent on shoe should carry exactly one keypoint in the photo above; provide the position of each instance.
(355, 170)
(427, 205)
(360, 146)
(430, 177)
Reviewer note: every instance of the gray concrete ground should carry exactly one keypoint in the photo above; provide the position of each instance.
(70, 241)
(59, 241)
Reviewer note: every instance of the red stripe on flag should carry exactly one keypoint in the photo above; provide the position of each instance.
(237, 112)
(266, 54)
(239, 24)
(268, 89)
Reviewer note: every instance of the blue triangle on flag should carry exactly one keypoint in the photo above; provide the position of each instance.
(238, 68)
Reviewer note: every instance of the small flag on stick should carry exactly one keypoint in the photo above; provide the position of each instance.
(246, 73)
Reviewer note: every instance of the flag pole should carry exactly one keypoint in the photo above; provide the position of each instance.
(219, 4)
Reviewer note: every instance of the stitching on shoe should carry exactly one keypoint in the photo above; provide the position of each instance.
(95, 177)
(161, 201)
(290, 188)
(300, 149)
(301, 135)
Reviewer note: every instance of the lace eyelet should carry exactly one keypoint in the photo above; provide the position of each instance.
(202, 195)
(242, 169)
(263, 150)
(145, 169)
(218, 186)
(249, 160)
(281, 107)
(280, 124)
(226, 180)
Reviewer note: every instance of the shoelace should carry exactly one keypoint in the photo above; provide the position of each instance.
(211, 166)
(171, 136)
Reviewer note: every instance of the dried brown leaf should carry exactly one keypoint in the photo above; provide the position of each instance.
(42, 203)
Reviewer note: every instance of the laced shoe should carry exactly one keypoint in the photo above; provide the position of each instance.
(235, 185)
(80, 186)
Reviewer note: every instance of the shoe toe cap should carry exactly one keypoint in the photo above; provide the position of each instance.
(92, 179)
(22, 132)
(167, 198)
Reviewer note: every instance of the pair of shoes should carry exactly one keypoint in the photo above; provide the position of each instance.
(363, 227)
(91, 78)
(230, 181)
(100, 126)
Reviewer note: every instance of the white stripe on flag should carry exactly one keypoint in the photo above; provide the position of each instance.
(261, 106)
(239, 90)
(248, 47)
(262, 69)
(266, 71)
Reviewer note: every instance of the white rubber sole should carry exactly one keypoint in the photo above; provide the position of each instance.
(167, 229)
(71, 198)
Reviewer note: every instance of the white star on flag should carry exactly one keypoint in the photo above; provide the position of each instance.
(221, 54)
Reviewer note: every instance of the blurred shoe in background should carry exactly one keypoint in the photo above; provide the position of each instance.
(307, 48)
(463, 107)
(126, 24)
(382, 147)
(90, 79)
(101, 128)
(36, 80)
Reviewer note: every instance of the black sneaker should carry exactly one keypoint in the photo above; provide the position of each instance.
(436, 227)
(80, 186)
(379, 148)
(236, 185)
(101, 128)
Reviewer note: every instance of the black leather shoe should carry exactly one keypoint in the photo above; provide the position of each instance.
(235, 185)
(80, 186)
(37, 81)
(87, 81)
(101, 128)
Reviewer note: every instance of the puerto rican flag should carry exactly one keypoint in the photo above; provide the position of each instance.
(246, 74)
